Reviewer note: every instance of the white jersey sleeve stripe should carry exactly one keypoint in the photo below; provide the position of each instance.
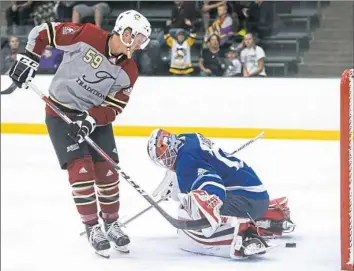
(206, 175)
(211, 183)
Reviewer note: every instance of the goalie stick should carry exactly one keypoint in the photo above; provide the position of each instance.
(125, 223)
(261, 134)
(140, 213)
(179, 224)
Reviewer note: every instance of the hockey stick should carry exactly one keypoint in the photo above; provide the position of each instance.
(179, 224)
(140, 213)
(261, 134)
(9, 90)
(135, 216)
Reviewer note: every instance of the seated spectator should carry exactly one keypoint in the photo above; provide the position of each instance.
(209, 61)
(181, 63)
(252, 58)
(9, 54)
(44, 12)
(183, 15)
(208, 8)
(50, 60)
(232, 63)
(262, 19)
(17, 14)
(222, 26)
(85, 9)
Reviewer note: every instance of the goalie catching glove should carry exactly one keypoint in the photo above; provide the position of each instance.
(24, 70)
(82, 126)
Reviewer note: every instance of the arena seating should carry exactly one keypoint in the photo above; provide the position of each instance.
(283, 50)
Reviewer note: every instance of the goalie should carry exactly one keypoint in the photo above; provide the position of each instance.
(212, 184)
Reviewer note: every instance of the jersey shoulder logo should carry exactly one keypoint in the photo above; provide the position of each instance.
(68, 30)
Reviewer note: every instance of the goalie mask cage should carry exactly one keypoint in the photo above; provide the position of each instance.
(346, 170)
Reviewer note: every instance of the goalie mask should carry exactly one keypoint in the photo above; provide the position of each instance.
(138, 26)
(163, 147)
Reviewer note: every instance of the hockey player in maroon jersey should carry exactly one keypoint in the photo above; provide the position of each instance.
(92, 86)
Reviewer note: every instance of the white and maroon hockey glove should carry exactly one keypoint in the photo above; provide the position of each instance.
(199, 204)
(23, 71)
(82, 127)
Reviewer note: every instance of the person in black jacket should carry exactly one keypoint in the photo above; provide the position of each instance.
(209, 61)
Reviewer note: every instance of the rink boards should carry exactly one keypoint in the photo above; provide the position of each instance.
(217, 107)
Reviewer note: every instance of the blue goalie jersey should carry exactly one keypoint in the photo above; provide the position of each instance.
(202, 165)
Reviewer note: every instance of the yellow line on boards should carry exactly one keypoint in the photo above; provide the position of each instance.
(297, 134)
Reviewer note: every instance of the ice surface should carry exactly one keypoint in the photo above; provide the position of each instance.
(40, 226)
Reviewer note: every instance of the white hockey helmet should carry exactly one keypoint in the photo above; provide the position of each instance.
(162, 148)
(139, 26)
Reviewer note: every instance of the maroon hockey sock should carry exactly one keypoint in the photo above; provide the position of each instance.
(81, 177)
(107, 180)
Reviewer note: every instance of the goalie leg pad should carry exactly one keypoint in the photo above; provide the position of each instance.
(81, 178)
(107, 181)
(204, 205)
(222, 243)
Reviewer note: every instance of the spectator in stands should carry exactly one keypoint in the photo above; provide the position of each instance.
(222, 26)
(50, 60)
(44, 12)
(183, 12)
(252, 58)
(262, 19)
(209, 61)
(238, 15)
(183, 15)
(232, 63)
(208, 8)
(98, 9)
(9, 54)
(17, 14)
(181, 63)
(64, 10)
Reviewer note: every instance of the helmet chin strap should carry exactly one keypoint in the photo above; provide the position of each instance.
(129, 53)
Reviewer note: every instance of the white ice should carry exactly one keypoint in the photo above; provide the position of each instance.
(40, 226)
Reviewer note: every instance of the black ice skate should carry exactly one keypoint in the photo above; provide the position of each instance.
(98, 240)
(116, 235)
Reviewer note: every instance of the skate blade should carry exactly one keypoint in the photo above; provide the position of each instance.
(121, 249)
(104, 253)
(259, 251)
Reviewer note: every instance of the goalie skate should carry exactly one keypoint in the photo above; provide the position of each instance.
(116, 235)
(98, 240)
(248, 244)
